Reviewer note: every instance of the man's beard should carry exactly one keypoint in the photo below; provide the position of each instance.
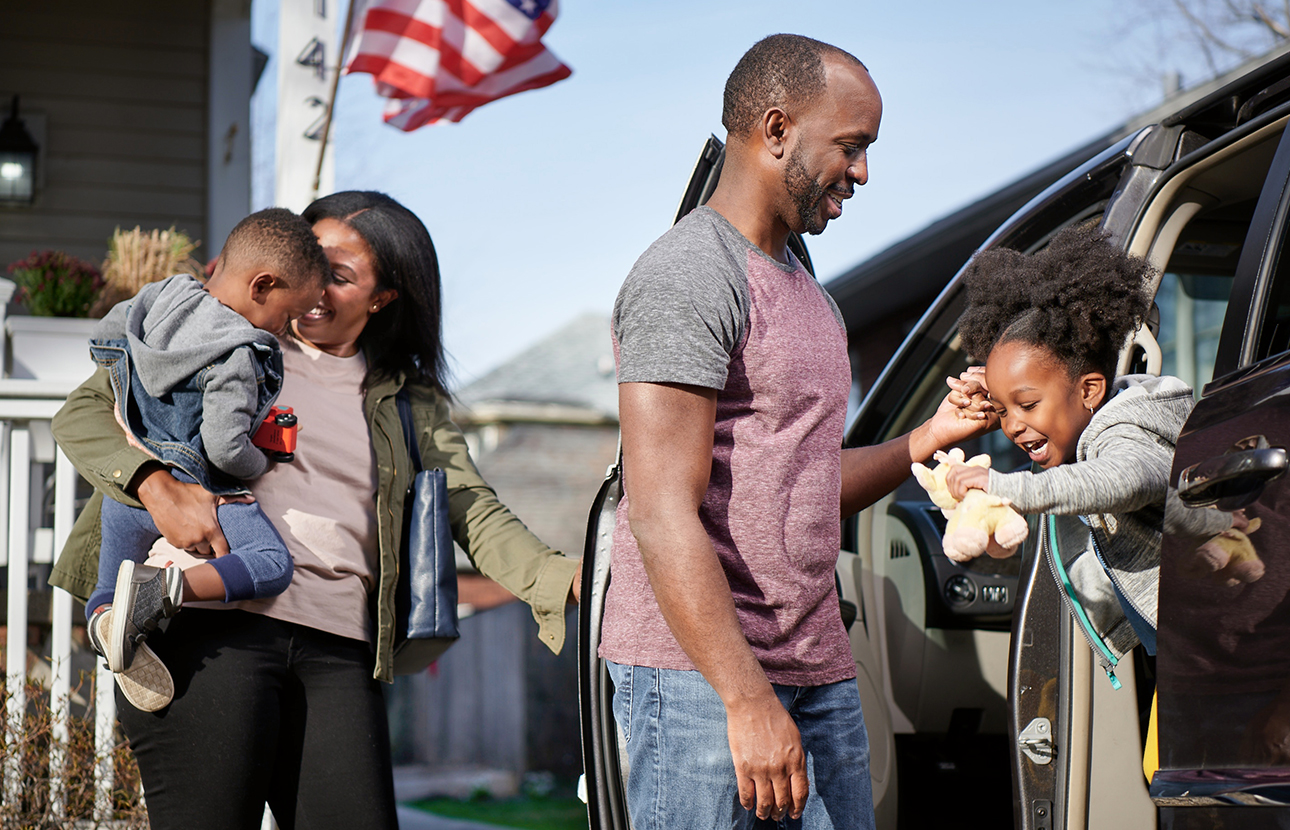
(806, 192)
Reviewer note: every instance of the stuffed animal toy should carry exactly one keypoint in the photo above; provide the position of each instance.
(1230, 556)
(975, 519)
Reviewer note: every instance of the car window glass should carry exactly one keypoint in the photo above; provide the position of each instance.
(1274, 323)
(1191, 309)
(1193, 295)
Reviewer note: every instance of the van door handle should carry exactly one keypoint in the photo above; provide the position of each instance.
(1234, 476)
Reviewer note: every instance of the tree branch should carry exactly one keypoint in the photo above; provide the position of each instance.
(1278, 29)
(1206, 33)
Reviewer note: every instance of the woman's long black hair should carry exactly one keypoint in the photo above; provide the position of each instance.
(407, 335)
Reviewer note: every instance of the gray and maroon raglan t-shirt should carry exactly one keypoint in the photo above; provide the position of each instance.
(704, 306)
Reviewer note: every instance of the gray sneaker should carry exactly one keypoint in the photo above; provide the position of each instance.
(144, 597)
(147, 684)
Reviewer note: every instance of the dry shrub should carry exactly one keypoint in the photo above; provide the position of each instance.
(33, 810)
(136, 258)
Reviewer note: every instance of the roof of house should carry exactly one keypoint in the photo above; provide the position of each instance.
(567, 376)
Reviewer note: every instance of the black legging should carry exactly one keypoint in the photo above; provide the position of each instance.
(264, 710)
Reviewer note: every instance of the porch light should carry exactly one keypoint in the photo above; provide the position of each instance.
(17, 161)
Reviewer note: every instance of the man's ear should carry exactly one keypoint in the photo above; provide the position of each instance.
(1093, 387)
(775, 125)
(261, 284)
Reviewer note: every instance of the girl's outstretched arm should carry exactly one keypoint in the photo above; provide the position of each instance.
(1131, 471)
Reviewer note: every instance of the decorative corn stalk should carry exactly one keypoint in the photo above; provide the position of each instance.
(136, 258)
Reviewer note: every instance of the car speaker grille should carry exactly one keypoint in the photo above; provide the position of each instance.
(899, 550)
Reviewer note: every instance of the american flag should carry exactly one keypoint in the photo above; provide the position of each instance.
(437, 60)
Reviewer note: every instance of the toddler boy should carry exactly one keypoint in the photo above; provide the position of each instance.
(195, 369)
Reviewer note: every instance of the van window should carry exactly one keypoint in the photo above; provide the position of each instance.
(1197, 283)
(1274, 323)
(1191, 309)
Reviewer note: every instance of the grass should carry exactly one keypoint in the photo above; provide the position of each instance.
(548, 813)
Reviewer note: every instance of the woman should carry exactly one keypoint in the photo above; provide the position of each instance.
(277, 700)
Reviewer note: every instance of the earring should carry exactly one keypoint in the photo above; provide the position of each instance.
(376, 307)
(1090, 408)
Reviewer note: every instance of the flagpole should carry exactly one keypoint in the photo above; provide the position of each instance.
(331, 98)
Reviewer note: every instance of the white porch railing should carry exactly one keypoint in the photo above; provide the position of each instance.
(25, 441)
(26, 408)
(26, 445)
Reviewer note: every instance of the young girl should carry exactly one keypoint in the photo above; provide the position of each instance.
(1051, 326)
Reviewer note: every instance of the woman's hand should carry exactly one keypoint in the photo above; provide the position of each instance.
(184, 513)
(962, 478)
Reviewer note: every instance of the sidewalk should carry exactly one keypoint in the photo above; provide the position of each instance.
(413, 819)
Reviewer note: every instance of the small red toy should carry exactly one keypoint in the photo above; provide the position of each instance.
(277, 434)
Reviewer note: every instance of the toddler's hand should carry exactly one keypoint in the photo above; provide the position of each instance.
(962, 478)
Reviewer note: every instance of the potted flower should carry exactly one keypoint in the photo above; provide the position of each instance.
(50, 342)
(53, 284)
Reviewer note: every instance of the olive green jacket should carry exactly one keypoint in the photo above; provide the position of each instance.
(498, 543)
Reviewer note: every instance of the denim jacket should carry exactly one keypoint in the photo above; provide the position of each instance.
(192, 381)
(169, 429)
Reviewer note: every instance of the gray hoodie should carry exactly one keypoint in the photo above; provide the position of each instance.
(178, 333)
(1118, 483)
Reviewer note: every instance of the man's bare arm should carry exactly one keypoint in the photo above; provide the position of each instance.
(667, 458)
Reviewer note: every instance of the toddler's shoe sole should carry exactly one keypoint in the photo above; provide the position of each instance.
(147, 684)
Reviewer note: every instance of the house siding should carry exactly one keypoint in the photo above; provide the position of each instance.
(122, 89)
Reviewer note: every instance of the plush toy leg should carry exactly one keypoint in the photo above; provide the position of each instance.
(1012, 532)
(964, 544)
(994, 550)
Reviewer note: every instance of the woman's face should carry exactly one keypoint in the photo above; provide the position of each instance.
(336, 322)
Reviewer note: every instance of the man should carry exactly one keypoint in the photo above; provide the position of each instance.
(735, 685)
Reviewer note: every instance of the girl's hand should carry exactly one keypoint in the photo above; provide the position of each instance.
(964, 414)
(970, 384)
(962, 478)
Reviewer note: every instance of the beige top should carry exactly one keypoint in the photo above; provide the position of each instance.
(324, 502)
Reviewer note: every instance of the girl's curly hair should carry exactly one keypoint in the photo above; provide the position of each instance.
(1079, 298)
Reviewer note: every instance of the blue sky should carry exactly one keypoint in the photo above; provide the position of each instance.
(539, 203)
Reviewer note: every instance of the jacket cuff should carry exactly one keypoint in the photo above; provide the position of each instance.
(549, 599)
(120, 470)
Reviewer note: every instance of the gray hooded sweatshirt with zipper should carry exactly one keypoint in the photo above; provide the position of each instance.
(1119, 484)
(175, 330)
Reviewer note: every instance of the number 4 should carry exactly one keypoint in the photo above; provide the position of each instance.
(315, 57)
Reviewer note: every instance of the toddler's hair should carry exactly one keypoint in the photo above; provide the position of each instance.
(1079, 298)
(280, 241)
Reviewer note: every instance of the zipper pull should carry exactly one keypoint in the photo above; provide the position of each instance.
(1115, 681)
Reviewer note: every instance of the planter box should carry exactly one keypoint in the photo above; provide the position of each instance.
(48, 348)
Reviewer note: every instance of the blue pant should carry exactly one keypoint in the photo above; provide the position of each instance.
(682, 775)
(258, 564)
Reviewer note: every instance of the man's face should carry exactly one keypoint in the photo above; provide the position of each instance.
(828, 158)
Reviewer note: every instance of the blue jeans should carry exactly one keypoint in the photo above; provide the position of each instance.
(258, 564)
(682, 775)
